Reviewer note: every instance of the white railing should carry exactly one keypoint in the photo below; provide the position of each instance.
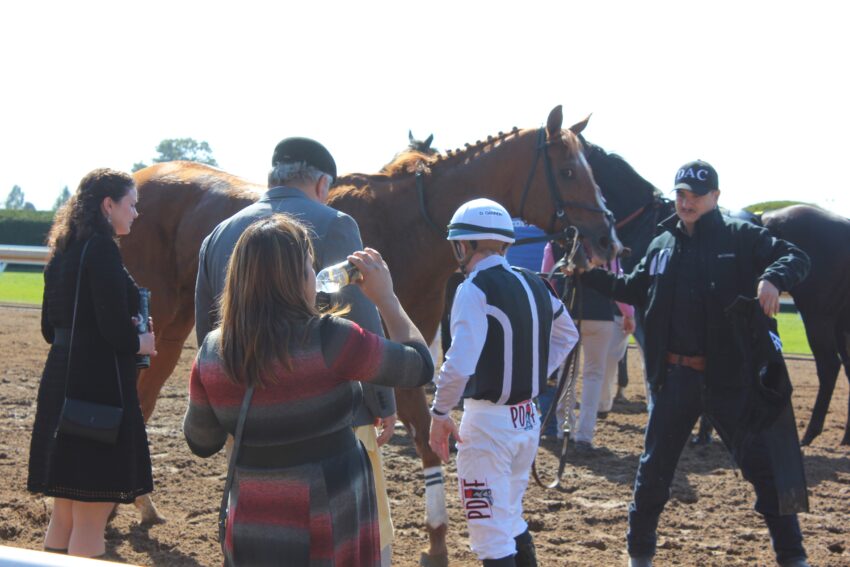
(28, 255)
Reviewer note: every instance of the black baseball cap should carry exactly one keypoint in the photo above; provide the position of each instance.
(697, 176)
(311, 152)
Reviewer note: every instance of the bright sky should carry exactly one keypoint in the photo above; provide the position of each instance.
(759, 89)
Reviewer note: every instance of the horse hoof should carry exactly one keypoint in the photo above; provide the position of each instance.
(152, 520)
(438, 560)
(149, 514)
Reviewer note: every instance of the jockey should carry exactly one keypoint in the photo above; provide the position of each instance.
(509, 333)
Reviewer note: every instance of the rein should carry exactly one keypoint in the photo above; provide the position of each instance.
(420, 191)
(637, 212)
(566, 386)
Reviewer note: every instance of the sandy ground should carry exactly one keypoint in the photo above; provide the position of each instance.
(709, 520)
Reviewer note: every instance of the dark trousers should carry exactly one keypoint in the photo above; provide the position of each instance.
(673, 412)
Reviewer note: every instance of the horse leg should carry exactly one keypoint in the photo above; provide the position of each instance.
(169, 346)
(413, 412)
(821, 335)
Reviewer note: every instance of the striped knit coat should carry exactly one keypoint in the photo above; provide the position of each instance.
(320, 513)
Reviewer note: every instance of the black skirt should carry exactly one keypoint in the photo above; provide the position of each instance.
(80, 469)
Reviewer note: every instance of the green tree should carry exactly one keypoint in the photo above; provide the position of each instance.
(184, 148)
(187, 149)
(62, 198)
(15, 199)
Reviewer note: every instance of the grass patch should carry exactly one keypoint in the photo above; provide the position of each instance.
(21, 286)
(793, 334)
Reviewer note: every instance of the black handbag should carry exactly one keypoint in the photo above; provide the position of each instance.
(89, 420)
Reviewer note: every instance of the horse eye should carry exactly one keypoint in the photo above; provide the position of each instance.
(567, 173)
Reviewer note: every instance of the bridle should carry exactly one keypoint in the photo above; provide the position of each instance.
(560, 205)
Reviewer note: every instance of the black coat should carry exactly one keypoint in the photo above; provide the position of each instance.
(769, 415)
(71, 467)
(734, 255)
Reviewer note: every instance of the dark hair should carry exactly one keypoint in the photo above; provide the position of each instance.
(263, 300)
(82, 217)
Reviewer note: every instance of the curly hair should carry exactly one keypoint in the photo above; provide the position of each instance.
(82, 217)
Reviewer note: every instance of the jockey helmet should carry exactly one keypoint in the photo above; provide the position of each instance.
(481, 219)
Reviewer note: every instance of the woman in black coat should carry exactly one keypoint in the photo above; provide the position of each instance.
(86, 477)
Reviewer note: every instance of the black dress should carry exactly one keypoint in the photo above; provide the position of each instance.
(72, 467)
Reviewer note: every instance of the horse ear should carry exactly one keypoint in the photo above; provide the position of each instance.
(428, 141)
(410, 136)
(578, 127)
(555, 120)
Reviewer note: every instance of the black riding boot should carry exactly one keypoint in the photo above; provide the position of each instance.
(526, 555)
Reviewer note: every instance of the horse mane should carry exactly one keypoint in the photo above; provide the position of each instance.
(624, 170)
(410, 161)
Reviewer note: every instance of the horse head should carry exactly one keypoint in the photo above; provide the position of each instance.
(412, 157)
(560, 190)
(422, 146)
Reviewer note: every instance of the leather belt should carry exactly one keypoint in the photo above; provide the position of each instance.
(693, 362)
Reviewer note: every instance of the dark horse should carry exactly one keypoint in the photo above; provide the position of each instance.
(539, 171)
(823, 298)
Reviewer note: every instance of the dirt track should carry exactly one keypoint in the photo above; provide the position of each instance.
(708, 521)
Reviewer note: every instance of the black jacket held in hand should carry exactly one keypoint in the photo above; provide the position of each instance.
(733, 256)
(769, 415)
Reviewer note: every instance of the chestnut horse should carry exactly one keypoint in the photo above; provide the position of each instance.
(539, 174)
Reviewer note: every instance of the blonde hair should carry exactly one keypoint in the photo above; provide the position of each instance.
(264, 299)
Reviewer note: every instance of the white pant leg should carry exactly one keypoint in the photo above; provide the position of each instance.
(595, 342)
(497, 446)
(526, 451)
(617, 348)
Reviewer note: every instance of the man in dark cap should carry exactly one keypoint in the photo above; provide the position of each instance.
(692, 272)
(302, 173)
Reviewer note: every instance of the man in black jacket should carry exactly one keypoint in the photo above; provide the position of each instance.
(692, 271)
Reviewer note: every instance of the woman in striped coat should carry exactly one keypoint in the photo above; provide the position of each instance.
(303, 492)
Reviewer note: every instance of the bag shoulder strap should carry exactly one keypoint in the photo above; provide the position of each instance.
(74, 324)
(231, 466)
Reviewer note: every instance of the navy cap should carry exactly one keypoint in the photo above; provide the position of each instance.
(697, 176)
(311, 152)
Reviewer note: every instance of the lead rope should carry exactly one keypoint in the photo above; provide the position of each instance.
(566, 388)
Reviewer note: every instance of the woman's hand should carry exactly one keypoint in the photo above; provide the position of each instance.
(375, 279)
(147, 344)
(135, 320)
